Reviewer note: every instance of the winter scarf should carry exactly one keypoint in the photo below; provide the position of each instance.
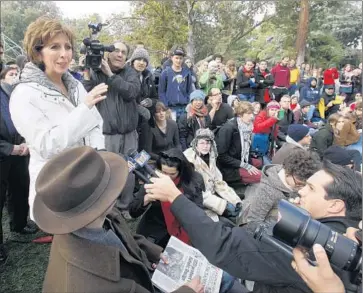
(200, 114)
(32, 73)
(249, 73)
(245, 132)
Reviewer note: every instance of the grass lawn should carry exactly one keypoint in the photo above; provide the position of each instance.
(27, 262)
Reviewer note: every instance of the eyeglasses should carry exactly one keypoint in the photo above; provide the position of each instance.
(217, 94)
(208, 142)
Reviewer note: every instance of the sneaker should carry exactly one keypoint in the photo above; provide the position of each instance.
(3, 254)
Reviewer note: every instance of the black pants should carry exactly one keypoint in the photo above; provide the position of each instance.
(279, 92)
(14, 186)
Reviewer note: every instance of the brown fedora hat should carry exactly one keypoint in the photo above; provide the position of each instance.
(76, 187)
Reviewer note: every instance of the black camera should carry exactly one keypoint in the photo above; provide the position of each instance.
(295, 227)
(93, 49)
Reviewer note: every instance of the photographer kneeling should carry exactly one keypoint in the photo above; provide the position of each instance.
(332, 196)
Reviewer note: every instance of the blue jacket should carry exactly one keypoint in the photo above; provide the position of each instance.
(175, 88)
(310, 94)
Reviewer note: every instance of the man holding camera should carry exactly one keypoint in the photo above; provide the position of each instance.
(332, 195)
(119, 109)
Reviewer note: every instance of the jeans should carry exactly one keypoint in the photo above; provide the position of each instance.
(249, 97)
(310, 114)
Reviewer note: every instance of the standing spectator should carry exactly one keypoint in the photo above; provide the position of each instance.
(119, 110)
(246, 82)
(14, 161)
(330, 75)
(164, 135)
(281, 76)
(219, 112)
(49, 108)
(230, 71)
(196, 117)
(212, 78)
(218, 58)
(305, 75)
(298, 136)
(176, 85)
(294, 77)
(234, 141)
(148, 96)
(189, 63)
(324, 137)
(264, 81)
(345, 80)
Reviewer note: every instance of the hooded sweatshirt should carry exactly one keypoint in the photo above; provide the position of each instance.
(281, 75)
(175, 87)
(309, 93)
(261, 205)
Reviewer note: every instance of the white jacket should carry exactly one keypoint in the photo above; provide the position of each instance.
(50, 124)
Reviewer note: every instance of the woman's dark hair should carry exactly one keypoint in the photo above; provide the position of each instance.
(5, 71)
(175, 158)
(301, 164)
(346, 186)
(159, 106)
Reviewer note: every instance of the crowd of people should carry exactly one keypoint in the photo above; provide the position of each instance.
(230, 141)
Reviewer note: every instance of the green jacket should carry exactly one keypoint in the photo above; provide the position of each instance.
(206, 84)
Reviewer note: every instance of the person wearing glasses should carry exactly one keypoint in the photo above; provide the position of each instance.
(278, 182)
(219, 112)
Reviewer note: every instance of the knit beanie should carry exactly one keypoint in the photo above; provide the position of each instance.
(297, 131)
(273, 105)
(338, 155)
(207, 134)
(197, 95)
(140, 53)
(231, 99)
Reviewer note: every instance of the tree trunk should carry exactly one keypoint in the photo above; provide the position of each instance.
(302, 31)
(191, 44)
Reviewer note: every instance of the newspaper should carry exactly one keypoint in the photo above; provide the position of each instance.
(184, 263)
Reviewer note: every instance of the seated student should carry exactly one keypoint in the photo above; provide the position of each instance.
(234, 141)
(164, 136)
(233, 100)
(329, 102)
(158, 224)
(277, 182)
(298, 136)
(333, 196)
(346, 133)
(324, 137)
(93, 249)
(219, 112)
(265, 128)
(196, 117)
(218, 196)
(286, 118)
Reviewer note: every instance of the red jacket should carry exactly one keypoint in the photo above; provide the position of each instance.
(330, 75)
(172, 224)
(281, 75)
(264, 124)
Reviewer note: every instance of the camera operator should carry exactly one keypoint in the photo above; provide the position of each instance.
(119, 110)
(332, 196)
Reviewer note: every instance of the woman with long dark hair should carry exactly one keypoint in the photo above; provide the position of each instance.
(158, 223)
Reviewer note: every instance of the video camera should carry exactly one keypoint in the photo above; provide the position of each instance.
(93, 49)
(295, 227)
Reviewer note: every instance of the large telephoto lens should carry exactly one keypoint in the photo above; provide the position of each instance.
(295, 227)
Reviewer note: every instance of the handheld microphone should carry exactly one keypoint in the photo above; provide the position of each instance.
(132, 168)
(141, 160)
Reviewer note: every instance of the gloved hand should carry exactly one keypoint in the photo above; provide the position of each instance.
(146, 103)
(252, 83)
(231, 210)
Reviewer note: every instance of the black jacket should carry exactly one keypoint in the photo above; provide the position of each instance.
(323, 139)
(188, 128)
(262, 84)
(152, 225)
(243, 85)
(7, 141)
(118, 110)
(148, 89)
(229, 151)
(284, 124)
(235, 251)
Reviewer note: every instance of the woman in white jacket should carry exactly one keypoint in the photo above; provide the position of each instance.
(218, 196)
(50, 108)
